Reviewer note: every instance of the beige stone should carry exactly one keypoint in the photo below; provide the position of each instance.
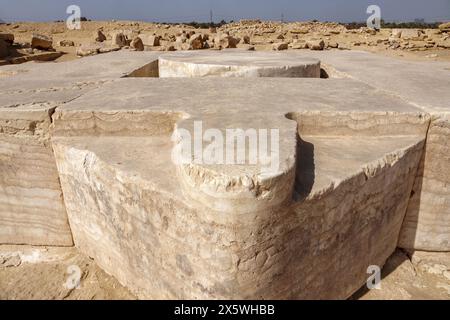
(445, 27)
(151, 40)
(118, 39)
(225, 41)
(315, 44)
(137, 44)
(99, 36)
(41, 42)
(66, 43)
(280, 46)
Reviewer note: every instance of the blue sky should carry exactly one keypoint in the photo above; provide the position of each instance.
(189, 10)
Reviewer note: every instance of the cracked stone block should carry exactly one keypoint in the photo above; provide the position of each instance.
(168, 230)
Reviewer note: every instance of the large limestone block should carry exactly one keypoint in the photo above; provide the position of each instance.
(31, 202)
(222, 231)
(427, 223)
(424, 85)
(140, 226)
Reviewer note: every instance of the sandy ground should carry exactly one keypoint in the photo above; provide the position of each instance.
(412, 276)
(28, 272)
(51, 273)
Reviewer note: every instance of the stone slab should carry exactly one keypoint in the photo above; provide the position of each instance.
(234, 63)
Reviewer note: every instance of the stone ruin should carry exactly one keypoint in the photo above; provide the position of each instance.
(85, 161)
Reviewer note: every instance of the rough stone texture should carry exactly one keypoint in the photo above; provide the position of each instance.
(427, 224)
(118, 39)
(99, 36)
(425, 86)
(239, 243)
(31, 205)
(151, 40)
(40, 41)
(7, 37)
(137, 44)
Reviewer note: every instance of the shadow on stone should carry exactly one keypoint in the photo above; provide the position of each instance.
(305, 171)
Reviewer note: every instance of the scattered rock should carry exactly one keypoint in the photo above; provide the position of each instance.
(445, 27)
(170, 48)
(152, 41)
(181, 38)
(42, 42)
(299, 31)
(333, 45)
(212, 29)
(245, 46)
(7, 37)
(280, 46)
(315, 44)
(246, 39)
(37, 56)
(396, 33)
(196, 42)
(119, 39)
(299, 45)
(66, 43)
(99, 36)
(225, 41)
(108, 49)
(410, 34)
(88, 50)
(137, 44)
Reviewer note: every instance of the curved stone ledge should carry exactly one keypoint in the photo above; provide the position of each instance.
(238, 64)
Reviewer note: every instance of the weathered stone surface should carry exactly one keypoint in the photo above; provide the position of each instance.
(31, 204)
(88, 50)
(7, 37)
(378, 175)
(280, 46)
(99, 36)
(40, 41)
(349, 160)
(118, 39)
(151, 40)
(410, 34)
(137, 44)
(179, 262)
(427, 223)
(225, 41)
(426, 226)
(196, 41)
(445, 27)
(315, 44)
(66, 43)
(237, 64)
